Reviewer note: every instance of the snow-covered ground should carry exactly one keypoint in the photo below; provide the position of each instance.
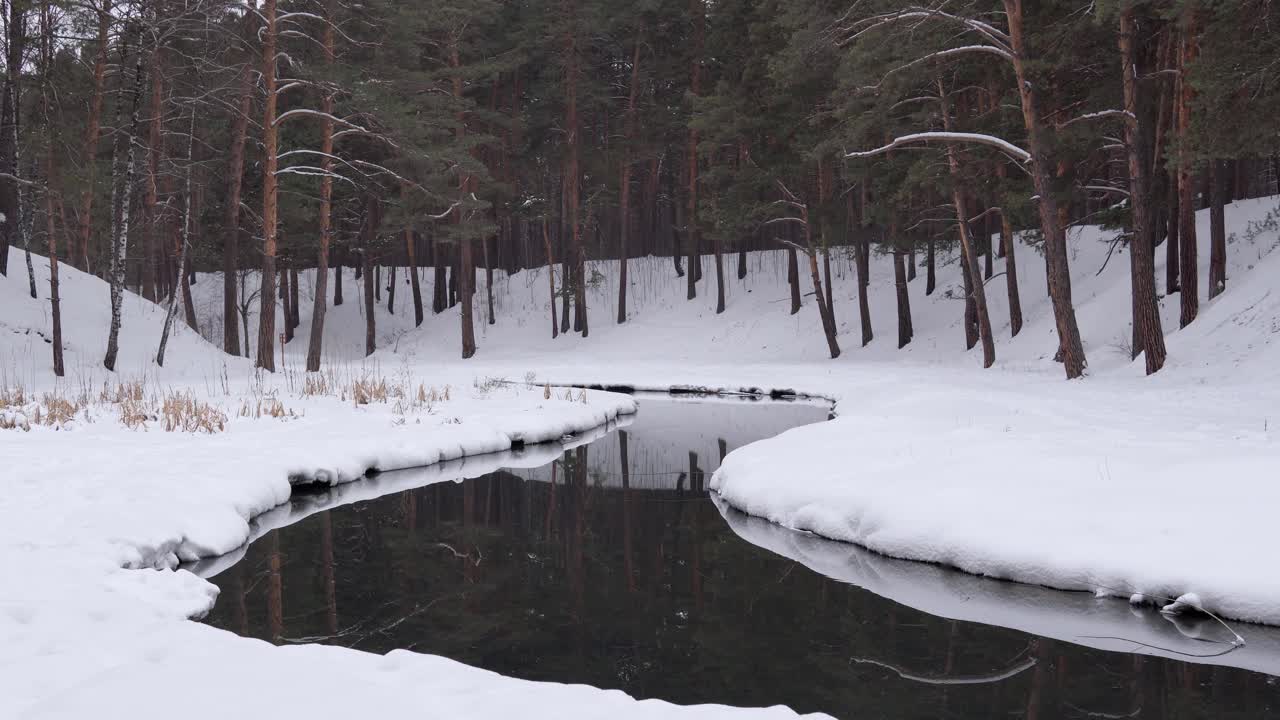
(1118, 483)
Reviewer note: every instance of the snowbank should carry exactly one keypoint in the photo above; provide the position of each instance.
(86, 629)
(1078, 617)
(1082, 492)
(1120, 485)
(1117, 484)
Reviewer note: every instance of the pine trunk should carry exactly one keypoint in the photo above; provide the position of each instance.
(930, 269)
(697, 16)
(905, 329)
(370, 304)
(184, 246)
(793, 279)
(1188, 249)
(1011, 275)
(286, 302)
(1218, 229)
(50, 177)
(270, 141)
(551, 276)
(391, 291)
(488, 279)
(411, 249)
(10, 204)
(976, 293)
(440, 283)
(1172, 247)
(152, 280)
(320, 304)
(1070, 347)
(93, 131)
(1148, 336)
(624, 186)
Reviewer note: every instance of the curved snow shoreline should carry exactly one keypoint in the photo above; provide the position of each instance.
(1074, 617)
(455, 441)
(82, 634)
(1026, 495)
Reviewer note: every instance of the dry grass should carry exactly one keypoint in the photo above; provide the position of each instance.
(265, 407)
(184, 412)
(136, 407)
(142, 404)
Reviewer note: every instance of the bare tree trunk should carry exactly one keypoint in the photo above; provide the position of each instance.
(488, 278)
(566, 295)
(270, 209)
(372, 218)
(930, 269)
(824, 311)
(1188, 261)
(551, 276)
(988, 249)
(185, 247)
(793, 279)
(861, 263)
(151, 268)
(440, 284)
(295, 314)
(410, 245)
(92, 132)
(826, 278)
(1172, 248)
(1147, 332)
(905, 329)
(1011, 275)
(10, 202)
(978, 292)
(624, 185)
(286, 302)
(811, 253)
(698, 17)
(391, 290)
(320, 305)
(971, 330)
(466, 283)
(55, 298)
(124, 162)
(1217, 229)
(1058, 270)
(466, 293)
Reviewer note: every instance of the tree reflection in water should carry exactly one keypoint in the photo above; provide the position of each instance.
(611, 567)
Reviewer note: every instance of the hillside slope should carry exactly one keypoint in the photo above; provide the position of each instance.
(1234, 338)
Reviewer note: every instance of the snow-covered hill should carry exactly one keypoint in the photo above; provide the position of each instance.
(26, 332)
(1234, 337)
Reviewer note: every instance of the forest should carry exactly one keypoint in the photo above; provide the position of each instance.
(162, 143)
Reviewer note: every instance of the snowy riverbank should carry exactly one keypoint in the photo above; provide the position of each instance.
(86, 629)
(1118, 483)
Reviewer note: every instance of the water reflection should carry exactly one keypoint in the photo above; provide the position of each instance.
(607, 564)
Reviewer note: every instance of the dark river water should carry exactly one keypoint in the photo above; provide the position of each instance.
(609, 564)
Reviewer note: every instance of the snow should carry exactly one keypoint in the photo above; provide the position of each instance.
(1073, 617)
(1157, 487)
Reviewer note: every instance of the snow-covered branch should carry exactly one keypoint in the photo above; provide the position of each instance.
(1098, 115)
(859, 28)
(1003, 145)
(312, 171)
(316, 113)
(942, 55)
